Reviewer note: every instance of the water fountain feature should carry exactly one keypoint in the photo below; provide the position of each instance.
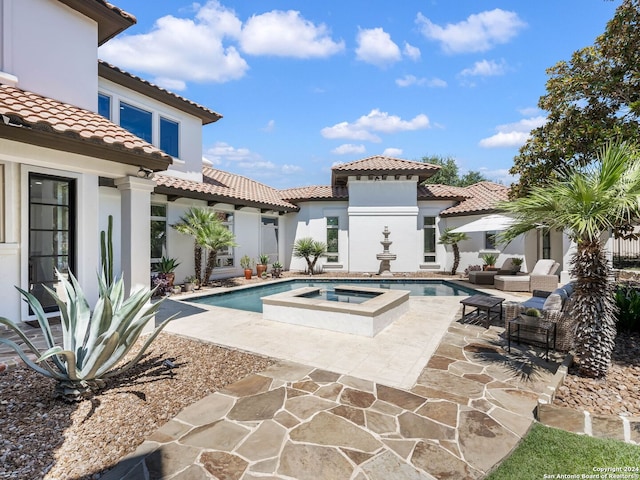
(385, 257)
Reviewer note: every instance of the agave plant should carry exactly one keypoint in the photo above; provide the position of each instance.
(92, 344)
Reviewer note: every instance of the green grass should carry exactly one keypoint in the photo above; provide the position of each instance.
(552, 452)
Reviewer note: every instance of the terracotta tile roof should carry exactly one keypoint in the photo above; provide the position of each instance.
(483, 197)
(315, 192)
(121, 77)
(49, 121)
(226, 187)
(437, 191)
(381, 165)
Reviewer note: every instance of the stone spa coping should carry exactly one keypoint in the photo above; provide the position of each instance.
(367, 318)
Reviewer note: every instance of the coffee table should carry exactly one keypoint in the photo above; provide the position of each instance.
(486, 303)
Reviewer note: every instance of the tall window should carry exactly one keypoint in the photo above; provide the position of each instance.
(332, 239)
(104, 105)
(269, 242)
(136, 120)
(158, 232)
(546, 243)
(224, 257)
(169, 137)
(490, 240)
(51, 234)
(429, 239)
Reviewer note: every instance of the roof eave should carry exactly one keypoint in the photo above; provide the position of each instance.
(74, 143)
(213, 198)
(131, 82)
(111, 21)
(474, 212)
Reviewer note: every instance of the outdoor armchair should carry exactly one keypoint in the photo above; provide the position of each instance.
(540, 278)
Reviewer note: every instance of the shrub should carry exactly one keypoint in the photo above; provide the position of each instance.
(627, 298)
(472, 268)
(93, 344)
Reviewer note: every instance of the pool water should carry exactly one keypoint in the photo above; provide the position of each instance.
(249, 299)
(345, 296)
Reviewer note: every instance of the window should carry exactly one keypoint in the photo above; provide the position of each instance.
(490, 240)
(546, 243)
(224, 256)
(332, 239)
(51, 234)
(104, 105)
(429, 239)
(158, 232)
(136, 120)
(269, 241)
(169, 138)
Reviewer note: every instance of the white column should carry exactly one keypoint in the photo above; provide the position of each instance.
(135, 231)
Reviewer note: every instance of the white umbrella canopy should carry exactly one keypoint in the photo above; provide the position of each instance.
(488, 223)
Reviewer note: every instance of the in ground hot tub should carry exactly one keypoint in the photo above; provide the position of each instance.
(347, 309)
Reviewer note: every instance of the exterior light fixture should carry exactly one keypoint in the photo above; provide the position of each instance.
(144, 172)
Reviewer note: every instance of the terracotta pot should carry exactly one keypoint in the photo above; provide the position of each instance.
(170, 277)
(247, 273)
(260, 269)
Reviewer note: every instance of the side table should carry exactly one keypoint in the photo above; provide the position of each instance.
(537, 332)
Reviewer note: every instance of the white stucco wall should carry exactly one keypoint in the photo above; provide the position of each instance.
(52, 49)
(189, 163)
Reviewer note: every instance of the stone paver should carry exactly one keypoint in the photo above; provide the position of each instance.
(467, 410)
(458, 408)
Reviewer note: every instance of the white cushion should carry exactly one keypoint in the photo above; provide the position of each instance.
(544, 267)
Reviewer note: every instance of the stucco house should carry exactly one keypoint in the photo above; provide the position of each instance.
(81, 139)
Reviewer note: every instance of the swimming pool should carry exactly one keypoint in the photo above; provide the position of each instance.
(249, 299)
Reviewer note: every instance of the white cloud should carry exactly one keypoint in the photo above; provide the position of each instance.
(375, 121)
(270, 126)
(348, 148)
(392, 152)
(287, 34)
(222, 152)
(178, 50)
(478, 33)
(485, 68)
(409, 80)
(291, 169)
(513, 134)
(412, 52)
(376, 47)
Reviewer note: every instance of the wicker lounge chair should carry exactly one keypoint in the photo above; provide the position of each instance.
(555, 307)
(541, 278)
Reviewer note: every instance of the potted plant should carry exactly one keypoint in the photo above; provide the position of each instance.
(489, 260)
(276, 269)
(531, 314)
(190, 283)
(517, 264)
(166, 268)
(245, 263)
(261, 267)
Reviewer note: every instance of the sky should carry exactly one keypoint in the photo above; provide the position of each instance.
(305, 85)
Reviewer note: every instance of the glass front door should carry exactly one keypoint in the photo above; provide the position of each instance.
(51, 234)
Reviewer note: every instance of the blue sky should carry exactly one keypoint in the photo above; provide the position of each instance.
(305, 85)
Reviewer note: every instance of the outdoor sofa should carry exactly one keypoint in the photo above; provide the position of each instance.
(555, 306)
(540, 278)
(486, 277)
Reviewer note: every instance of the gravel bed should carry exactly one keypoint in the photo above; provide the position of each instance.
(45, 438)
(618, 393)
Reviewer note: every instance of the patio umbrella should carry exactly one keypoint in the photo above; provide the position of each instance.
(488, 223)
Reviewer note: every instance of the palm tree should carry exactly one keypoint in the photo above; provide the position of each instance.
(209, 234)
(215, 236)
(453, 238)
(309, 249)
(586, 203)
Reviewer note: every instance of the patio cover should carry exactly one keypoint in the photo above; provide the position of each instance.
(488, 223)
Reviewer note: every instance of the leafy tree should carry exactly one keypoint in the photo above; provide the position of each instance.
(585, 202)
(449, 173)
(453, 238)
(309, 249)
(590, 99)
